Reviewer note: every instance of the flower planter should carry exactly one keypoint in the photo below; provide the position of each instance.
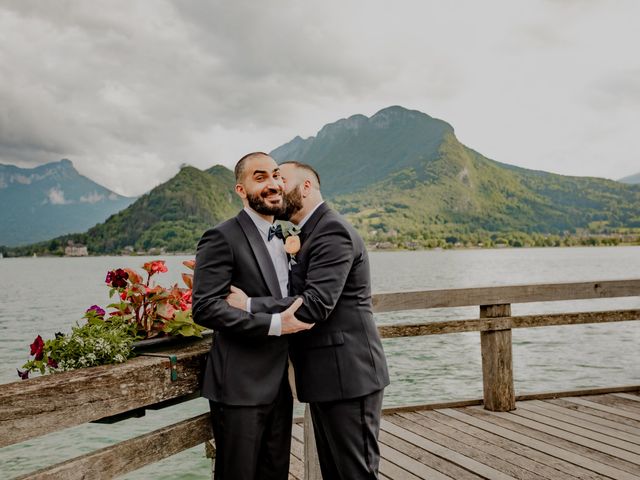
(168, 341)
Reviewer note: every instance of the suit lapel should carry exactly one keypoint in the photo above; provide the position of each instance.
(260, 253)
(311, 224)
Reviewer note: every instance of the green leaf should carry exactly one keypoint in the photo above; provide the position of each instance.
(95, 321)
(188, 331)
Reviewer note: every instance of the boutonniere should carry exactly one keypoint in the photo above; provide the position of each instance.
(291, 234)
(292, 245)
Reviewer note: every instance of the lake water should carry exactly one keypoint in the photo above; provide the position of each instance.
(46, 295)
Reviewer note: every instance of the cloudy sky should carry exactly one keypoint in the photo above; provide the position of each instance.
(131, 90)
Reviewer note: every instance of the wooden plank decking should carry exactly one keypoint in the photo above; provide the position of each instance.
(590, 437)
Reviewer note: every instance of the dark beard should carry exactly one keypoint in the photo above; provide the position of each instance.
(257, 203)
(292, 204)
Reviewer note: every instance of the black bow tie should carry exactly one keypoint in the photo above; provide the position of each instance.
(275, 230)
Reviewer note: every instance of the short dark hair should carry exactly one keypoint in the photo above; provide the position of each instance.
(304, 166)
(239, 169)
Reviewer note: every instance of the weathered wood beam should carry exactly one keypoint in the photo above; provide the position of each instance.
(125, 456)
(524, 321)
(72, 398)
(584, 392)
(525, 396)
(131, 454)
(386, 302)
(497, 362)
(41, 405)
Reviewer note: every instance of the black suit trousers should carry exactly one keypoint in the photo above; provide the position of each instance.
(346, 434)
(253, 442)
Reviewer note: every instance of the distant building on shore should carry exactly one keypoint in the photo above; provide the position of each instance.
(75, 250)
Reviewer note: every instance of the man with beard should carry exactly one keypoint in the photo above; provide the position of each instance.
(245, 377)
(340, 367)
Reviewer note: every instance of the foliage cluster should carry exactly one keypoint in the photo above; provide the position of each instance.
(143, 310)
(100, 341)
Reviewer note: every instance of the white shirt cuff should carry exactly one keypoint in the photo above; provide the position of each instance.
(276, 325)
(249, 305)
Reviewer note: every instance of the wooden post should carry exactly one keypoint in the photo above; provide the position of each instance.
(210, 452)
(311, 462)
(497, 362)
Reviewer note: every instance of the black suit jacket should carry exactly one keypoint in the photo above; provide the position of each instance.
(245, 366)
(341, 357)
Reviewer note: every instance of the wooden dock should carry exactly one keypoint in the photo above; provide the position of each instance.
(588, 437)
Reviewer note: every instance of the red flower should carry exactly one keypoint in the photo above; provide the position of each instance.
(52, 363)
(23, 374)
(185, 300)
(155, 267)
(117, 278)
(37, 348)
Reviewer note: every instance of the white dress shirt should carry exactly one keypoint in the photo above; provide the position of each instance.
(275, 247)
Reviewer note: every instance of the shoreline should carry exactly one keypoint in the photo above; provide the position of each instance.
(370, 249)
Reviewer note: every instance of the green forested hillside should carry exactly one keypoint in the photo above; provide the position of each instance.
(435, 189)
(173, 215)
(459, 192)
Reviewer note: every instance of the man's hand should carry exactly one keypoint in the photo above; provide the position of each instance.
(237, 298)
(290, 324)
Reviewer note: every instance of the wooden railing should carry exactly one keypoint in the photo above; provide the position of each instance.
(39, 406)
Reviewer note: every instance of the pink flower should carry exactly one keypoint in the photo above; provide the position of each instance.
(157, 266)
(98, 312)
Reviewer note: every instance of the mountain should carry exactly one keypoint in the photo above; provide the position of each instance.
(632, 179)
(404, 173)
(403, 179)
(171, 217)
(50, 200)
(358, 151)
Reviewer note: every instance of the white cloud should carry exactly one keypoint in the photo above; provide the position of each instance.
(22, 179)
(130, 94)
(93, 197)
(55, 196)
